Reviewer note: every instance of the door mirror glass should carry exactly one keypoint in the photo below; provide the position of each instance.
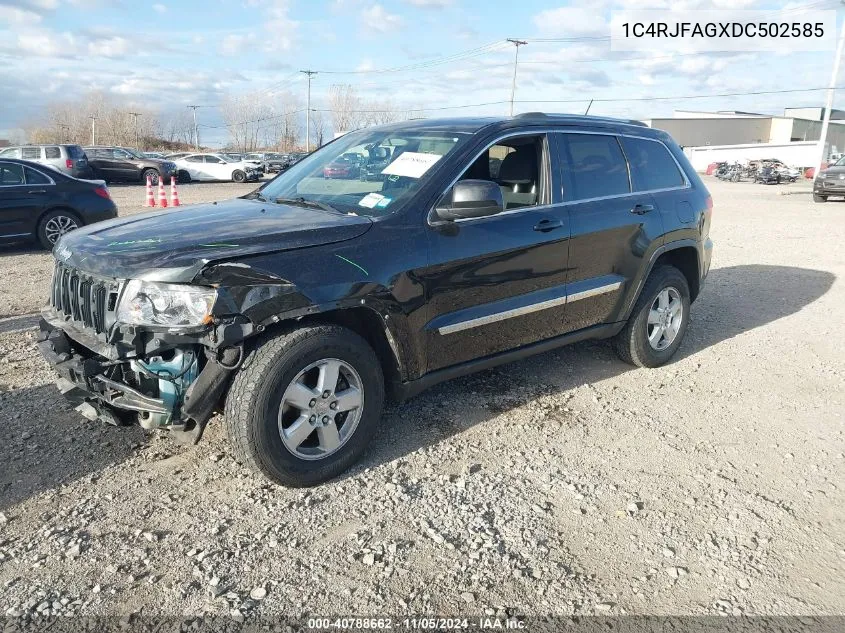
(471, 199)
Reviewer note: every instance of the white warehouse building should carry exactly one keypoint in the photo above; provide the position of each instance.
(709, 137)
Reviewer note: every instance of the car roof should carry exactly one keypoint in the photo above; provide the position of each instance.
(476, 124)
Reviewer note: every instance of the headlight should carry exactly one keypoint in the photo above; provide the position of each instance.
(170, 305)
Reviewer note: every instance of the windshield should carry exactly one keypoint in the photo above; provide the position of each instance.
(840, 162)
(133, 153)
(368, 172)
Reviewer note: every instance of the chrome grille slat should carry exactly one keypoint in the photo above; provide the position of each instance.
(83, 298)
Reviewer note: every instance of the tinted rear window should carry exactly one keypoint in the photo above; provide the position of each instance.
(74, 151)
(593, 167)
(652, 166)
(35, 177)
(52, 152)
(11, 174)
(30, 153)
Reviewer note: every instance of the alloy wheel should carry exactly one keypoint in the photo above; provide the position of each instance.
(664, 318)
(321, 408)
(58, 226)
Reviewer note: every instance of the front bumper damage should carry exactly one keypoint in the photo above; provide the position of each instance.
(177, 386)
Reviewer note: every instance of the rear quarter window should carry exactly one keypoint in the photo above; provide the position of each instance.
(35, 177)
(652, 166)
(52, 152)
(74, 151)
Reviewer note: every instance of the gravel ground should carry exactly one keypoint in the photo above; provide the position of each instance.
(565, 484)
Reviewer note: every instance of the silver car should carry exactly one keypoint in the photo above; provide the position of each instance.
(68, 159)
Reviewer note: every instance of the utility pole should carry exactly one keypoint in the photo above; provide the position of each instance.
(65, 129)
(829, 105)
(136, 115)
(309, 73)
(196, 129)
(93, 118)
(517, 44)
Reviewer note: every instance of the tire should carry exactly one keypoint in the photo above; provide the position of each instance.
(256, 404)
(183, 177)
(238, 176)
(153, 174)
(54, 224)
(632, 343)
(818, 198)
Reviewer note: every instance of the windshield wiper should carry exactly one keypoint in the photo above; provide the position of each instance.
(303, 202)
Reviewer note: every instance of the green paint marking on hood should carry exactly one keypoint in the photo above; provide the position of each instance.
(349, 261)
(220, 244)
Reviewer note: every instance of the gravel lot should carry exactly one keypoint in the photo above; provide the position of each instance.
(565, 484)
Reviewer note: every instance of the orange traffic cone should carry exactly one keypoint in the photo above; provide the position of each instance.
(174, 193)
(151, 201)
(162, 195)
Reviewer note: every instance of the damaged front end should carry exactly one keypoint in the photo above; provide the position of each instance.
(161, 376)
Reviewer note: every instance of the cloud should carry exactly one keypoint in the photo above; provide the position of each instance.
(234, 44)
(377, 19)
(430, 4)
(572, 22)
(159, 8)
(114, 46)
(16, 15)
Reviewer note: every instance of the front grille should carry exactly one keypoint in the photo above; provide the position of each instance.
(84, 299)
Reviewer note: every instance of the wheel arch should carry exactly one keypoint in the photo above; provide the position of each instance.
(683, 255)
(369, 325)
(59, 207)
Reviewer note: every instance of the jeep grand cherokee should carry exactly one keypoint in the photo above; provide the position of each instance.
(299, 307)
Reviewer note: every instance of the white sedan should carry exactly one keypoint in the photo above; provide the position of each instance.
(217, 167)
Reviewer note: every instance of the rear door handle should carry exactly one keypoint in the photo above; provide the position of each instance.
(642, 209)
(544, 226)
(37, 191)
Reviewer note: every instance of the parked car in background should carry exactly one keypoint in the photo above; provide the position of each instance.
(153, 154)
(274, 163)
(41, 203)
(68, 159)
(176, 155)
(207, 166)
(346, 166)
(121, 164)
(302, 306)
(830, 182)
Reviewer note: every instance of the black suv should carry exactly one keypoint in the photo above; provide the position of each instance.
(299, 307)
(121, 164)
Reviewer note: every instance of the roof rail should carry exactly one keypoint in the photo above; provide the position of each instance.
(547, 115)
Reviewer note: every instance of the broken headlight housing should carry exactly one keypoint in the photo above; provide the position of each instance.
(167, 305)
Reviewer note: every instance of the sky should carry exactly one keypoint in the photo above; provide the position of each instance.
(425, 55)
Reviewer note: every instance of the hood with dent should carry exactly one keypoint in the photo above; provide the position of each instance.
(175, 245)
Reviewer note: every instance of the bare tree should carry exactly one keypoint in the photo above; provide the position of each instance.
(344, 105)
(318, 127)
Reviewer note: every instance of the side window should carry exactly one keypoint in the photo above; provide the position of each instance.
(11, 152)
(516, 164)
(35, 177)
(120, 154)
(212, 159)
(52, 152)
(652, 167)
(593, 167)
(31, 153)
(11, 174)
(194, 159)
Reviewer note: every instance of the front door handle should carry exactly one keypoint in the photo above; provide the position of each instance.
(37, 191)
(544, 226)
(642, 209)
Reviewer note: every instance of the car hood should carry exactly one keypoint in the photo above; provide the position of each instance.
(175, 245)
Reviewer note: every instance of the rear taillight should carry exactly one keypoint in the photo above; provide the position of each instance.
(69, 163)
(102, 192)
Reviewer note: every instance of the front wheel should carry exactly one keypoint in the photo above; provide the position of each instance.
(239, 176)
(55, 224)
(305, 404)
(658, 322)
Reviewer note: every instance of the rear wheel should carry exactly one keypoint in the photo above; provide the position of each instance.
(238, 176)
(658, 322)
(55, 224)
(152, 174)
(305, 404)
(818, 198)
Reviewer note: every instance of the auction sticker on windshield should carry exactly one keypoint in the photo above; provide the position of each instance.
(372, 200)
(411, 164)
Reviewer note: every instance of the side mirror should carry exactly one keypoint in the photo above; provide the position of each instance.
(471, 199)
